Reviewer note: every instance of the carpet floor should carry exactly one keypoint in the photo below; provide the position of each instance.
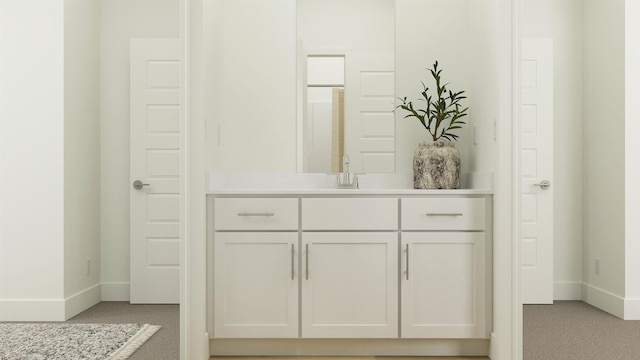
(566, 330)
(64, 341)
(574, 330)
(164, 345)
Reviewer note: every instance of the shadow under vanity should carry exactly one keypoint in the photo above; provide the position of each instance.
(371, 271)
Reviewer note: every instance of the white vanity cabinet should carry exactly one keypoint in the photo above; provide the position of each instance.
(443, 269)
(349, 285)
(351, 265)
(255, 268)
(350, 261)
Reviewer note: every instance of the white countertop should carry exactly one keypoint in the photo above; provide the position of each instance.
(324, 184)
(349, 192)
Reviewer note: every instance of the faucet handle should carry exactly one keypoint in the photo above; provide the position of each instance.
(345, 163)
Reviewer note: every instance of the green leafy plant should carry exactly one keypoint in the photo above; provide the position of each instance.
(442, 115)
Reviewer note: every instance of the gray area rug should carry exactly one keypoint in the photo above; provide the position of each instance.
(63, 341)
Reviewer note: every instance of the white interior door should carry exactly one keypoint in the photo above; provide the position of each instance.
(369, 104)
(536, 157)
(155, 163)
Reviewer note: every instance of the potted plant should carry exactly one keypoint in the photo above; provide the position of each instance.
(436, 163)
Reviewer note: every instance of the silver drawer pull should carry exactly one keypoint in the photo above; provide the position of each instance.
(407, 254)
(256, 214)
(293, 272)
(444, 214)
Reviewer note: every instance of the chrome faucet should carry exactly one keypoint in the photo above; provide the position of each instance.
(345, 179)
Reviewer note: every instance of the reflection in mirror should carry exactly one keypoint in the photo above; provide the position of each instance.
(324, 125)
(346, 85)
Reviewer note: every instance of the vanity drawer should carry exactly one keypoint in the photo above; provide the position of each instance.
(350, 214)
(256, 214)
(443, 214)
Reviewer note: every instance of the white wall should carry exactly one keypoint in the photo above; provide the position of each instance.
(121, 20)
(568, 149)
(193, 297)
(604, 153)
(483, 99)
(338, 27)
(358, 25)
(632, 148)
(81, 154)
(462, 35)
(250, 65)
(562, 21)
(31, 160)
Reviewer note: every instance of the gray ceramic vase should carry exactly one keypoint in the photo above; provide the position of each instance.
(436, 165)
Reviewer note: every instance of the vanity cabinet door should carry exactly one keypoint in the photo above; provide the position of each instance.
(256, 285)
(349, 285)
(443, 284)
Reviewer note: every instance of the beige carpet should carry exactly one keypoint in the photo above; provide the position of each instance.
(164, 345)
(566, 330)
(574, 330)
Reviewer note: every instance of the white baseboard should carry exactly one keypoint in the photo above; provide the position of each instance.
(32, 310)
(603, 300)
(115, 291)
(632, 309)
(81, 301)
(62, 309)
(567, 290)
(493, 347)
(627, 309)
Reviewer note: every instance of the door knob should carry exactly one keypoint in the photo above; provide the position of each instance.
(544, 184)
(139, 185)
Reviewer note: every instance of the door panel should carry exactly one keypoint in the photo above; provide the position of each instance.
(349, 285)
(155, 160)
(536, 158)
(256, 285)
(369, 104)
(443, 281)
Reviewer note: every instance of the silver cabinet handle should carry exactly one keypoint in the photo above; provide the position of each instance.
(544, 184)
(292, 260)
(139, 185)
(407, 259)
(306, 261)
(266, 214)
(444, 214)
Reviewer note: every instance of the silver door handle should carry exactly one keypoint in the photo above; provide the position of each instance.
(139, 185)
(544, 184)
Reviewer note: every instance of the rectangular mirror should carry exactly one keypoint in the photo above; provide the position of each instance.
(267, 112)
(345, 85)
(270, 70)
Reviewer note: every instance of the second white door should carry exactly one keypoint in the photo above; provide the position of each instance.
(155, 171)
(536, 156)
